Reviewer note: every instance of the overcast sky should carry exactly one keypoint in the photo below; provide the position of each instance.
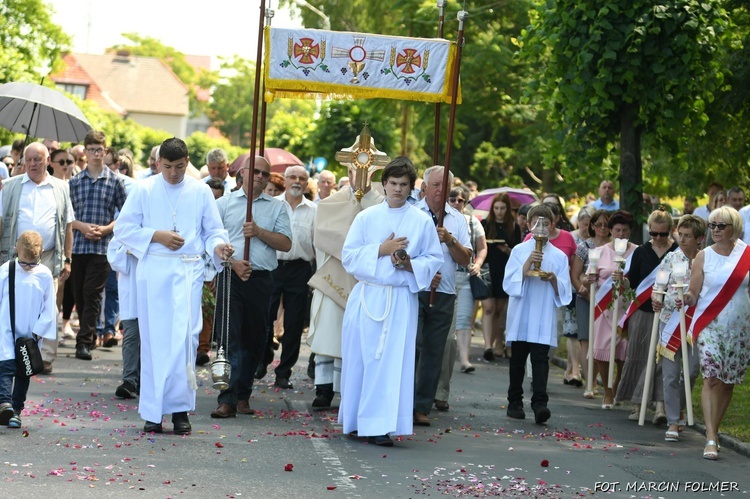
(215, 28)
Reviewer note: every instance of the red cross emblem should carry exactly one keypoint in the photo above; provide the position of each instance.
(409, 59)
(306, 50)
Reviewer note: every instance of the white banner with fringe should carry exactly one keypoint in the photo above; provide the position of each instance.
(311, 63)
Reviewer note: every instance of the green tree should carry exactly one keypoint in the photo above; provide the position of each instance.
(231, 108)
(615, 71)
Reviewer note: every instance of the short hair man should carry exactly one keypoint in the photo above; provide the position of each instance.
(217, 188)
(37, 201)
(218, 168)
(326, 184)
(532, 316)
(393, 250)
(152, 161)
(435, 318)
(51, 145)
(688, 205)
(96, 193)
(606, 199)
(712, 190)
(251, 282)
(736, 198)
(79, 151)
(169, 221)
(291, 276)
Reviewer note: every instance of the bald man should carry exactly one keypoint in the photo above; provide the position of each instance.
(326, 183)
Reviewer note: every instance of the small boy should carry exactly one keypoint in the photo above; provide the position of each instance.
(36, 314)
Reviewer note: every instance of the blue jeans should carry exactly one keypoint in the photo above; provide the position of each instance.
(111, 306)
(14, 393)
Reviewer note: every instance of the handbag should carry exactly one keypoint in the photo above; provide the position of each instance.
(481, 285)
(28, 356)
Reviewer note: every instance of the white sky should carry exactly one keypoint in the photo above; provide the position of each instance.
(197, 27)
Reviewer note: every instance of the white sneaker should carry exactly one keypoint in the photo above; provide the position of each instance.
(68, 333)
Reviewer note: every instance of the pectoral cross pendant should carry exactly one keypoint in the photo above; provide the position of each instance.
(174, 223)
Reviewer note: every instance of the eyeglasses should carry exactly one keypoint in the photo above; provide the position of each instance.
(658, 234)
(64, 162)
(294, 178)
(457, 200)
(600, 225)
(720, 226)
(95, 150)
(29, 265)
(264, 173)
(38, 159)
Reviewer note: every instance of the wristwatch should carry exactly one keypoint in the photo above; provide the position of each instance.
(453, 242)
(67, 260)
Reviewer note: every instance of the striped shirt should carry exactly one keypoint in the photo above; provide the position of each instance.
(95, 201)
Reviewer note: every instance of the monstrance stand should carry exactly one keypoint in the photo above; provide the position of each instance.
(365, 159)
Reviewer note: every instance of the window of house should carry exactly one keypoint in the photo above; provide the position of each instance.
(77, 90)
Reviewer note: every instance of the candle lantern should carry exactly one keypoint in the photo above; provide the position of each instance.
(540, 233)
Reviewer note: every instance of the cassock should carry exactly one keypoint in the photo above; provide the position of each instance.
(169, 285)
(533, 302)
(380, 321)
(36, 311)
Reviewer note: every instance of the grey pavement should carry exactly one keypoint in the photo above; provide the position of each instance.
(81, 441)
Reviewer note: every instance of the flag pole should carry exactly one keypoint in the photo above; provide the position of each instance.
(254, 130)
(436, 141)
(462, 16)
(262, 147)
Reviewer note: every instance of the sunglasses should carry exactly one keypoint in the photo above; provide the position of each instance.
(658, 234)
(714, 226)
(64, 162)
(457, 200)
(29, 265)
(264, 173)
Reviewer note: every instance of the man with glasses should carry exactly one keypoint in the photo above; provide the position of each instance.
(97, 193)
(40, 202)
(6, 167)
(251, 282)
(291, 276)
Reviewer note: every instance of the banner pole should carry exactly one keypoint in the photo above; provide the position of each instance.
(436, 140)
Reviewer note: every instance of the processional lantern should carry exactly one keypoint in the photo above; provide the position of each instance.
(364, 159)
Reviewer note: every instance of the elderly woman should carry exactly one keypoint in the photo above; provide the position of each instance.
(598, 235)
(721, 317)
(620, 226)
(275, 185)
(646, 259)
(691, 232)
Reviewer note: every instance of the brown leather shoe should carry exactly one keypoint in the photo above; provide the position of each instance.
(224, 411)
(243, 407)
(442, 405)
(421, 419)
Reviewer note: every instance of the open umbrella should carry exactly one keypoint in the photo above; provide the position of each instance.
(279, 159)
(482, 203)
(41, 112)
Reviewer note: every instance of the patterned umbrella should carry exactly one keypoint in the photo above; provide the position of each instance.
(41, 112)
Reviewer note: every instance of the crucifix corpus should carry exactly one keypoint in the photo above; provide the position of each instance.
(364, 159)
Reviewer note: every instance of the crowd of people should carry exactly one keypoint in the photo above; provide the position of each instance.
(382, 283)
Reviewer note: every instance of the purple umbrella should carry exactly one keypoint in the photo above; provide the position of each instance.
(518, 197)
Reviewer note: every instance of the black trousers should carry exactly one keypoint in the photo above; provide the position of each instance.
(432, 333)
(88, 274)
(520, 350)
(290, 283)
(248, 321)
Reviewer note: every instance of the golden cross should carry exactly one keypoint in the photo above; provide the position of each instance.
(365, 159)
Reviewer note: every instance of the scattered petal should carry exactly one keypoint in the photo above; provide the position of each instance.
(289, 467)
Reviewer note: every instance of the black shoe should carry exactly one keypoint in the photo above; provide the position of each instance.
(261, 372)
(515, 411)
(83, 352)
(283, 383)
(382, 440)
(323, 396)
(181, 423)
(150, 427)
(311, 367)
(541, 415)
(202, 359)
(126, 391)
(489, 355)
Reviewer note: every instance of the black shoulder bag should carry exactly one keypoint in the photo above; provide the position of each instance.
(481, 285)
(28, 357)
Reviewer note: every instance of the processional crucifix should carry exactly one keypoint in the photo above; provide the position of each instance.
(364, 157)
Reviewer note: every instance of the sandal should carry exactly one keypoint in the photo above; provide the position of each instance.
(15, 421)
(588, 394)
(672, 435)
(468, 369)
(711, 455)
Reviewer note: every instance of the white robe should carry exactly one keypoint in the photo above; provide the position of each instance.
(532, 306)
(169, 287)
(380, 321)
(36, 311)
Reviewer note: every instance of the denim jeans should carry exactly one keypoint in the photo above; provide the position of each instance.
(131, 352)
(10, 391)
(108, 318)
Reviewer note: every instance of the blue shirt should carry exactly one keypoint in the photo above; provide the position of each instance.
(268, 213)
(599, 205)
(95, 201)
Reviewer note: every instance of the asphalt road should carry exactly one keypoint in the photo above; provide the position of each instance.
(78, 440)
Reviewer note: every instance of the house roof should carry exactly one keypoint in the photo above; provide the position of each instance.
(130, 83)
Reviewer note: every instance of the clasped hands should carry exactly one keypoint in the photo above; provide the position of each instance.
(396, 248)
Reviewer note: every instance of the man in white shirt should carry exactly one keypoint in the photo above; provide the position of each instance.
(218, 167)
(38, 201)
(326, 182)
(291, 276)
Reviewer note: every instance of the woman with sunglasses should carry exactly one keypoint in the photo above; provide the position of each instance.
(502, 235)
(646, 259)
(599, 235)
(720, 309)
(609, 274)
(61, 164)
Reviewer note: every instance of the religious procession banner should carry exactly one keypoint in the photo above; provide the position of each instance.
(311, 63)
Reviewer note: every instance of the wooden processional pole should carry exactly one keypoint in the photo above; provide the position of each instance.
(436, 141)
(462, 16)
(262, 147)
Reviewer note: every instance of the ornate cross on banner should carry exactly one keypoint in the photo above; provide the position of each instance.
(365, 159)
